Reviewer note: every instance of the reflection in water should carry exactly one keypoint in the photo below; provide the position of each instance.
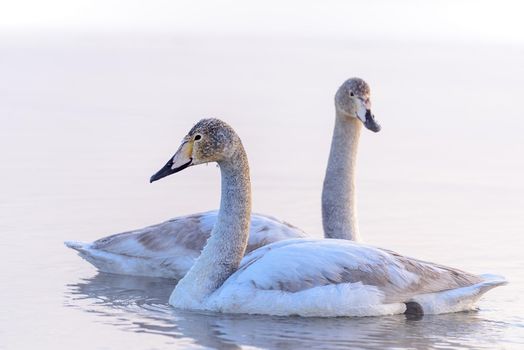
(140, 304)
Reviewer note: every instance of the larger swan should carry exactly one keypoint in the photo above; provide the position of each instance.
(169, 249)
(306, 277)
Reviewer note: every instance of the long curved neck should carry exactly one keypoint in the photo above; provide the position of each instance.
(225, 248)
(339, 213)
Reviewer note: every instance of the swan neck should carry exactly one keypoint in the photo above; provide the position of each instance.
(339, 213)
(228, 241)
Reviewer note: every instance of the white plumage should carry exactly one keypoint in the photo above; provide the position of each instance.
(306, 277)
(332, 277)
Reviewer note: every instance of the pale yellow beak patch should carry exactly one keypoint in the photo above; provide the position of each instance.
(183, 155)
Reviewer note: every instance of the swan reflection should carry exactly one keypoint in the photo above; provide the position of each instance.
(140, 304)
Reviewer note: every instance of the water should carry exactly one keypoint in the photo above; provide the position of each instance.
(86, 120)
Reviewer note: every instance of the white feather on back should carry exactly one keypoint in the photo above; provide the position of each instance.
(328, 278)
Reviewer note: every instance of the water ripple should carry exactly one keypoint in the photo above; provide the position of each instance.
(139, 304)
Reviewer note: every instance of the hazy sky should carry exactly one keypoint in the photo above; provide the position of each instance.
(463, 20)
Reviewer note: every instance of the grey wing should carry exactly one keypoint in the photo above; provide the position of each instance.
(186, 232)
(190, 233)
(297, 265)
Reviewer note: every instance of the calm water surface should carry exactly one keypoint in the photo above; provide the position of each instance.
(86, 120)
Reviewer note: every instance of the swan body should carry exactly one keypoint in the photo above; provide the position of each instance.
(306, 277)
(331, 277)
(169, 249)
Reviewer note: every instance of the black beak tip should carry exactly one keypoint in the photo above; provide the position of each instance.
(154, 178)
(165, 171)
(168, 170)
(375, 128)
(370, 122)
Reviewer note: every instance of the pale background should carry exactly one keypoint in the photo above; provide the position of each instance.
(96, 95)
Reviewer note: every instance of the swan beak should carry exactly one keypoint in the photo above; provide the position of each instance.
(370, 122)
(181, 160)
(366, 117)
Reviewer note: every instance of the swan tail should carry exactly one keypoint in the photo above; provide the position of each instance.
(455, 300)
(104, 261)
(78, 246)
(490, 282)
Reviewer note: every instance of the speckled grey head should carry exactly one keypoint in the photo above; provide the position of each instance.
(352, 100)
(210, 140)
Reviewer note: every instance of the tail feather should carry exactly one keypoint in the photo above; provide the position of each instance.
(78, 246)
(167, 267)
(103, 261)
(490, 282)
(459, 299)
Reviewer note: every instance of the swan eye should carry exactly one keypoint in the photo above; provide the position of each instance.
(197, 137)
(351, 93)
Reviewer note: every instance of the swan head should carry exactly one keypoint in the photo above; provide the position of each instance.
(210, 140)
(352, 100)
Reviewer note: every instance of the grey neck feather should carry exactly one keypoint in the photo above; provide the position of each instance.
(226, 246)
(339, 213)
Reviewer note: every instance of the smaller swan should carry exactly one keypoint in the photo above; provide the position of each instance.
(307, 277)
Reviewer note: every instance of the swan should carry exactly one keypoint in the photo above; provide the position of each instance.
(169, 249)
(305, 277)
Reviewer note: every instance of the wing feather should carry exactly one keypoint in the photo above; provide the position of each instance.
(189, 233)
(296, 265)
